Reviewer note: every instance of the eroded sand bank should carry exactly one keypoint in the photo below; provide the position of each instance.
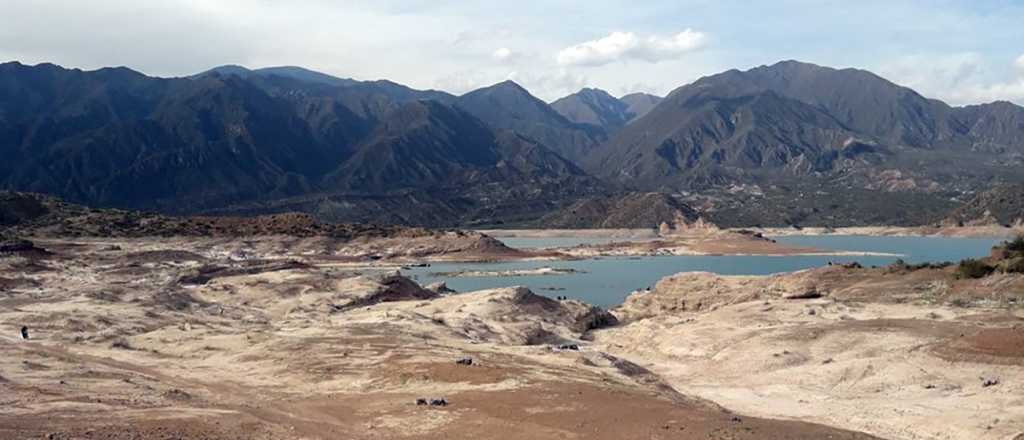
(916, 355)
(190, 339)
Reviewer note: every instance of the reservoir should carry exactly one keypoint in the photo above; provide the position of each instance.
(606, 281)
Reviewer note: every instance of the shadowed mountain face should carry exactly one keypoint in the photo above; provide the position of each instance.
(863, 102)
(997, 127)
(1002, 204)
(597, 108)
(782, 144)
(419, 144)
(292, 72)
(792, 120)
(593, 107)
(629, 210)
(115, 137)
(639, 104)
(506, 105)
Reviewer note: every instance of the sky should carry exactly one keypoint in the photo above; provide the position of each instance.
(962, 52)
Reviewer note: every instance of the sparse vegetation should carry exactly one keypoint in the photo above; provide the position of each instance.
(960, 302)
(1016, 245)
(1015, 266)
(122, 344)
(972, 269)
(899, 266)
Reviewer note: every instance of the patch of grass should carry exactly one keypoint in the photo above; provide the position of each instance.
(1015, 266)
(1016, 245)
(973, 269)
(903, 266)
(961, 302)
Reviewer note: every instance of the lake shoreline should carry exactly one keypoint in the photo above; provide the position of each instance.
(605, 273)
(983, 231)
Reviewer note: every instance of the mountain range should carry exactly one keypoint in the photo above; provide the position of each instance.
(795, 120)
(235, 140)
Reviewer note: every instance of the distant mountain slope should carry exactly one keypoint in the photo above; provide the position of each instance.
(996, 127)
(256, 143)
(639, 104)
(708, 136)
(117, 137)
(446, 154)
(420, 144)
(597, 108)
(293, 72)
(51, 216)
(392, 90)
(863, 102)
(800, 121)
(790, 143)
(593, 107)
(509, 106)
(1002, 204)
(630, 210)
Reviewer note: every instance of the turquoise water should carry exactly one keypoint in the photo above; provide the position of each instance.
(607, 281)
(916, 249)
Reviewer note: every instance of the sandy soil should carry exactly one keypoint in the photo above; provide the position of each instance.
(713, 242)
(282, 338)
(911, 355)
(540, 271)
(555, 233)
(977, 231)
(987, 231)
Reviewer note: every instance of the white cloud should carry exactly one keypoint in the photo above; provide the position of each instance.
(451, 44)
(504, 55)
(549, 85)
(641, 87)
(958, 79)
(619, 46)
(1008, 91)
(466, 80)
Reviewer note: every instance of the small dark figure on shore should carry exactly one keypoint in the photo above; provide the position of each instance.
(24, 332)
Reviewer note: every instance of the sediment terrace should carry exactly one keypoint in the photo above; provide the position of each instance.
(214, 338)
(901, 353)
(275, 327)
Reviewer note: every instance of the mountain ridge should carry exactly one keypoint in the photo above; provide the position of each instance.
(594, 107)
(507, 105)
(122, 139)
(225, 142)
(832, 129)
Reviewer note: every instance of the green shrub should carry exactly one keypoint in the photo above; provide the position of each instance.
(1015, 265)
(971, 268)
(1016, 245)
(899, 266)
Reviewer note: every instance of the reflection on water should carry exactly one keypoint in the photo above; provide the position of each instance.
(607, 281)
